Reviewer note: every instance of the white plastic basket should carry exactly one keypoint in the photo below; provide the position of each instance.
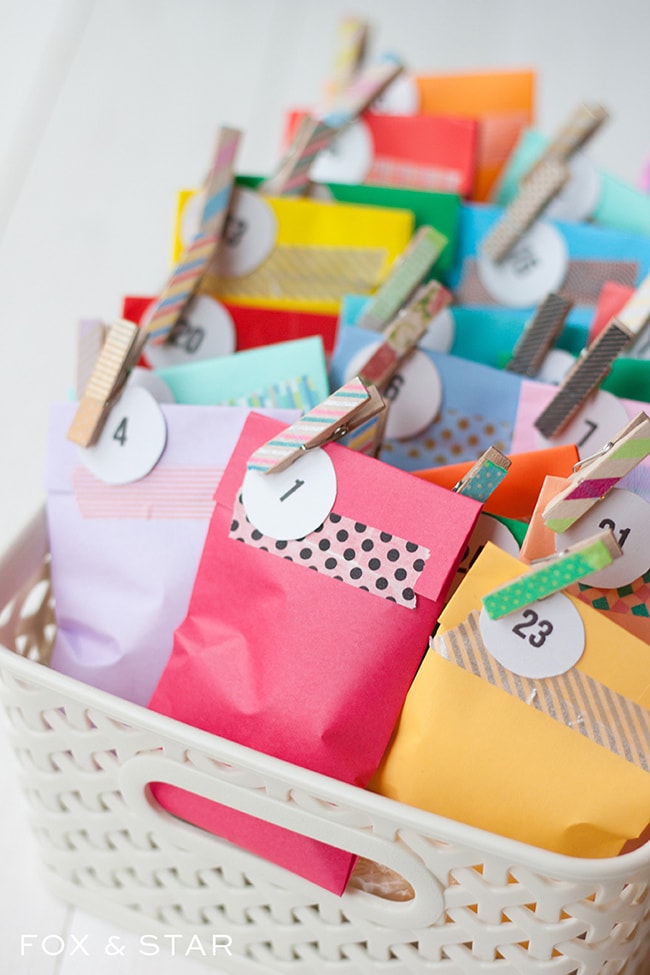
(482, 906)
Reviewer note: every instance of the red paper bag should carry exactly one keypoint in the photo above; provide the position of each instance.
(311, 666)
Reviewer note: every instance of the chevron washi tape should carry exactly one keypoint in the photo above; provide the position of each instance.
(557, 573)
(409, 269)
(595, 477)
(539, 335)
(330, 420)
(575, 699)
(582, 379)
(187, 274)
(533, 197)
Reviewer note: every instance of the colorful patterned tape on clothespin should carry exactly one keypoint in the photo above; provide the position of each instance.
(119, 354)
(292, 175)
(556, 573)
(408, 270)
(635, 313)
(484, 476)
(595, 476)
(539, 335)
(403, 334)
(194, 261)
(365, 87)
(583, 378)
(532, 198)
(579, 129)
(345, 410)
(352, 42)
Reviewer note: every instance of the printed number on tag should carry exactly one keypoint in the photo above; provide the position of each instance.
(204, 331)
(537, 264)
(293, 502)
(599, 421)
(541, 640)
(248, 237)
(132, 441)
(628, 516)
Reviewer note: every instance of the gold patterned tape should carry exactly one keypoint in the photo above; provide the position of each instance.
(305, 273)
(574, 699)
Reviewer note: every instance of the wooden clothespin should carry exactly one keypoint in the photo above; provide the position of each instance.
(403, 334)
(553, 574)
(344, 411)
(484, 476)
(407, 272)
(583, 378)
(539, 335)
(595, 362)
(579, 128)
(91, 335)
(119, 354)
(594, 477)
(351, 48)
(187, 274)
(367, 85)
(291, 177)
(532, 198)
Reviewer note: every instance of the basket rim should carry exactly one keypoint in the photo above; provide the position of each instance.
(555, 865)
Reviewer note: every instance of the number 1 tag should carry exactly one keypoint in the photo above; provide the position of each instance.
(132, 441)
(293, 502)
(541, 640)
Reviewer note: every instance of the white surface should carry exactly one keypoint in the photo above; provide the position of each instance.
(107, 107)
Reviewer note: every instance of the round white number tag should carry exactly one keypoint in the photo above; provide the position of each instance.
(205, 331)
(402, 97)
(541, 640)
(628, 516)
(132, 441)
(293, 502)
(599, 421)
(487, 529)
(536, 265)
(414, 394)
(348, 157)
(579, 197)
(555, 366)
(439, 336)
(248, 236)
(149, 380)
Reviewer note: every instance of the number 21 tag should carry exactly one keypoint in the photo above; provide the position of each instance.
(132, 441)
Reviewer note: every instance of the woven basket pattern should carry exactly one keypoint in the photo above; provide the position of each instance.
(85, 758)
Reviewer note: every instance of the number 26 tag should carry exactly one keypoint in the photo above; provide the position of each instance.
(541, 640)
(132, 441)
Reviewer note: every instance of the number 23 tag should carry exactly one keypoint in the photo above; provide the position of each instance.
(132, 441)
(543, 639)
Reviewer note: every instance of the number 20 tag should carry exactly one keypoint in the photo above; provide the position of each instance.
(541, 640)
(132, 441)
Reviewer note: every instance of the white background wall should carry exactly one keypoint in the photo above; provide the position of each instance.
(107, 107)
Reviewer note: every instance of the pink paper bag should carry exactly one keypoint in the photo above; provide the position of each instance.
(311, 666)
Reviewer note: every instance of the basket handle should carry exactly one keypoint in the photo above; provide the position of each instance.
(140, 771)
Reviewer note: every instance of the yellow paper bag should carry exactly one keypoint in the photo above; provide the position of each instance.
(560, 763)
(295, 253)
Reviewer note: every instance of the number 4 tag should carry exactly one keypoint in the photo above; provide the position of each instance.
(132, 441)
